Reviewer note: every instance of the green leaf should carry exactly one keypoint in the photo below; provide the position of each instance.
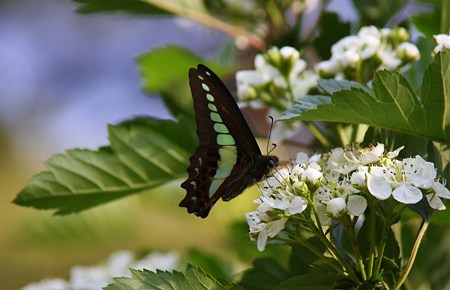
(165, 71)
(193, 278)
(331, 86)
(427, 23)
(392, 105)
(265, 274)
(161, 68)
(312, 281)
(303, 260)
(129, 6)
(144, 153)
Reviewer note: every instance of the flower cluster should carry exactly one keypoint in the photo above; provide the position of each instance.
(280, 76)
(117, 265)
(340, 184)
(377, 48)
(443, 42)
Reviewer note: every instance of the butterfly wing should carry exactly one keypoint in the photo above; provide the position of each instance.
(223, 163)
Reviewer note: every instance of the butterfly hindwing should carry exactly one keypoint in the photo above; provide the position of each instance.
(228, 158)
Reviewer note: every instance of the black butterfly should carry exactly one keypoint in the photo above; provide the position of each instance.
(228, 159)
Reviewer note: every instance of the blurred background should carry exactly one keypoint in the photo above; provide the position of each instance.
(64, 77)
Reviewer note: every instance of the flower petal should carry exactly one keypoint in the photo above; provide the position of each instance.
(378, 186)
(262, 240)
(298, 204)
(407, 194)
(441, 190)
(435, 202)
(356, 205)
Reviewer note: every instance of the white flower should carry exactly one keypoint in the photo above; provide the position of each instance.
(298, 67)
(301, 158)
(356, 205)
(301, 84)
(378, 186)
(408, 52)
(373, 155)
(394, 153)
(48, 284)
(264, 230)
(158, 261)
(370, 37)
(246, 81)
(312, 173)
(443, 42)
(336, 207)
(407, 194)
(389, 59)
(119, 262)
(402, 179)
(328, 68)
(298, 204)
(289, 53)
(423, 173)
(434, 199)
(89, 278)
(359, 177)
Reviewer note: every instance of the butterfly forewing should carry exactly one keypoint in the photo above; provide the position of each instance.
(228, 158)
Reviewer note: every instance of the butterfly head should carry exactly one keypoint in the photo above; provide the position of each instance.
(265, 165)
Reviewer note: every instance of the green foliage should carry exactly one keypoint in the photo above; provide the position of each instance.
(435, 22)
(144, 153)
(265, 274)
(392, 104)
(157, 78)
(193, 278)
(378, 12)
(312, 281)
(219, 268)
(128, 6)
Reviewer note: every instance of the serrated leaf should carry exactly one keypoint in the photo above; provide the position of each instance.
(144, 153)
(331, 86)
(192, 279)
(312, 281)
(393, 104)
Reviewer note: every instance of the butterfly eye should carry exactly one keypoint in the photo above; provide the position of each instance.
(270, 164)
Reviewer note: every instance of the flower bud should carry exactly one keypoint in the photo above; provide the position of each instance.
(336, 207)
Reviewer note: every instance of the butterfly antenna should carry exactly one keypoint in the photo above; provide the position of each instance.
(270, 134)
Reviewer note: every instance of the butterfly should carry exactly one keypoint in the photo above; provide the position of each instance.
(227, 159)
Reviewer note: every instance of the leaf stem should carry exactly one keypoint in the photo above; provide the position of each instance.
(330, 247)
(372, 243)
(210, 21)
(317, 133)
(420, 234)
(382, 246)
(350, 229)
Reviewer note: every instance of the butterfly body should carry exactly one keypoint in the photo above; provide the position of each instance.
(228, 159)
